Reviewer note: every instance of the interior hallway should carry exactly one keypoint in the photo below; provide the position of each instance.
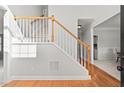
(99, 79)
(109, 66)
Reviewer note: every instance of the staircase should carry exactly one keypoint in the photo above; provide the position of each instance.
(47, 31)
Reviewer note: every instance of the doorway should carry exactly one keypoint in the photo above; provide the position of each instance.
(107, 45)
(122, 46)
(84, 33)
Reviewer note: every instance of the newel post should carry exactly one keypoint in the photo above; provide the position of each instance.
(52, 39)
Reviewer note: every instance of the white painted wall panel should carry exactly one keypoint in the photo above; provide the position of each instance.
(33, 68)
(108, 39)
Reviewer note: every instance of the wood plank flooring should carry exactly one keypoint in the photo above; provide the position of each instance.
(99, 79)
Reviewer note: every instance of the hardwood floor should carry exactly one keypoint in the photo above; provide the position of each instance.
(99, 79)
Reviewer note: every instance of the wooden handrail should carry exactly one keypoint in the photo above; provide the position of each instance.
(65, 29)
(31, 17)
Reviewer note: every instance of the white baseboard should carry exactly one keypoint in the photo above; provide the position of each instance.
(5, 83)
(50, 78)
(46, 78)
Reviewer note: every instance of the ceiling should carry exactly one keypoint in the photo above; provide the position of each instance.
(27, 10)
(85, 23)
(113, 22)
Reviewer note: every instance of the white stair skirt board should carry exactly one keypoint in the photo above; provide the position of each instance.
(42, 66)
(70, 57)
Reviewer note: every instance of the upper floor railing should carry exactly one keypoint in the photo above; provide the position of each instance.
(34, 29)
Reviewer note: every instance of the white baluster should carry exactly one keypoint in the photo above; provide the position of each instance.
(39, 30)
(33, 30)
(72, 50)
(43, 30)
(36, 30)
(26, 30)
(46, 30)
(30, 29)
(59, 36)
(20, 24)
(31, 26)
(67, 43)
(23, 29)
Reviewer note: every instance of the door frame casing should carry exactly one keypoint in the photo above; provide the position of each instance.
(122, 44)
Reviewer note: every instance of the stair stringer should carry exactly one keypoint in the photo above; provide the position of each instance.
(71, 58)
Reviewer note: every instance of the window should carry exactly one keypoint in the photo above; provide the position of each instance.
(23, 51)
